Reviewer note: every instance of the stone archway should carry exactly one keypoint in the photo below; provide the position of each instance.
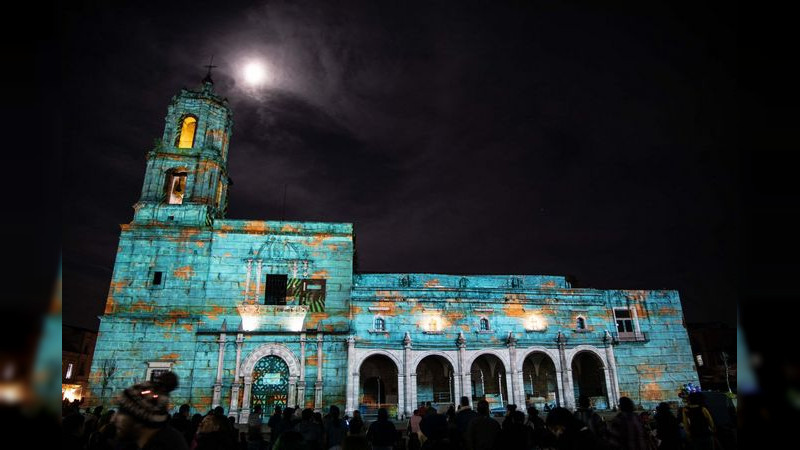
(435, 381)
(488, 374)
(248, 370)
(377, 385)
(589, 378)
(540, 381)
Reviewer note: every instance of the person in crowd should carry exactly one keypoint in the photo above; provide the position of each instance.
(626, 431)
(290, 439)
(482, 430)
(356, 423)
(213, 434)
(464, 416)
(141, 419)
(382, 433)
(589, 417)
(698, 423)
(335, 429)
(310, 430)
(570, 433)
(182, 422)
(667, 428)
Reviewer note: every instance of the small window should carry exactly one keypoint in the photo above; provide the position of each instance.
(156, 368)
(69, 371)
(624, 320)
(157, 278)
(484, 324)
(275, 290)
(186, 136)
(581, 324)
(176, 187)
(699, 359)
(380, 324)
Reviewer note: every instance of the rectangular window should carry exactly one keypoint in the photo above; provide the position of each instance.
(276, 290)
(699, 359)
(69, 371)
(624, 320)
(157, 277)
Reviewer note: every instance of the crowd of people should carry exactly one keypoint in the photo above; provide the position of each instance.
(142, 421)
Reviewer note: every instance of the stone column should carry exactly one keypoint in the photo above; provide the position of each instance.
(293, 390)
(611, 365)
(408, 405)
(463, 371)
(455, 375)
(215, 400)
(356, 390)
(258, 280)
(244, 415)
(301, 386)
(319, 384)
(351, 343)
(401, 400)
(237, 382)
(512, 381)
(567, 396)
(247, 280)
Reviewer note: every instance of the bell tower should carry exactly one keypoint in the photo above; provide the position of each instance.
(186, 181)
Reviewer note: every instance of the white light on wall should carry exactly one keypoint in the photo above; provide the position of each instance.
(535, 322)
(69, 372)
(250, 322)
(433, 323)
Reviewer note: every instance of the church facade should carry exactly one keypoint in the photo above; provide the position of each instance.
(252, 312)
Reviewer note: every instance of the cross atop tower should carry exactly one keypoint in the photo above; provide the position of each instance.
(210, 66)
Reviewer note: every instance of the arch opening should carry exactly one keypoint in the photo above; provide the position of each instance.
(589, 379)
(378, 386)
(270, 384)
(539, 381)
(435, 381)
(488, 376)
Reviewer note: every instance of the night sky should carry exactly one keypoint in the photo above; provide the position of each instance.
(550, 137)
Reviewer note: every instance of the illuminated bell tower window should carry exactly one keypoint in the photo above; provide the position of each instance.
(176, 188)
(186, 136)
(276, 290)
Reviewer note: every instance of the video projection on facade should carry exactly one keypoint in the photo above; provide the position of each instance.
(271, 313)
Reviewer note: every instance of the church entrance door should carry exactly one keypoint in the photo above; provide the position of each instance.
(270, 384)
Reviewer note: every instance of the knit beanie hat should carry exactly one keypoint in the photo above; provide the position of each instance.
(148, 402)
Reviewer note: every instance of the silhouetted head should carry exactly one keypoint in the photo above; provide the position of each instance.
(334, 411)
(464, 401)
(625, 404)
(483, 407)
(584, 402)
(383, 414)
(697, 398)
(559, 419)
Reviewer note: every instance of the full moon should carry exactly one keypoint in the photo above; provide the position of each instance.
(255, 73)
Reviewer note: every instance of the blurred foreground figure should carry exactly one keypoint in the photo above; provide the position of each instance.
(142, 417)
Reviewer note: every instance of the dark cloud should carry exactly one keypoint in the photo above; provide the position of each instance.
(461, 137)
